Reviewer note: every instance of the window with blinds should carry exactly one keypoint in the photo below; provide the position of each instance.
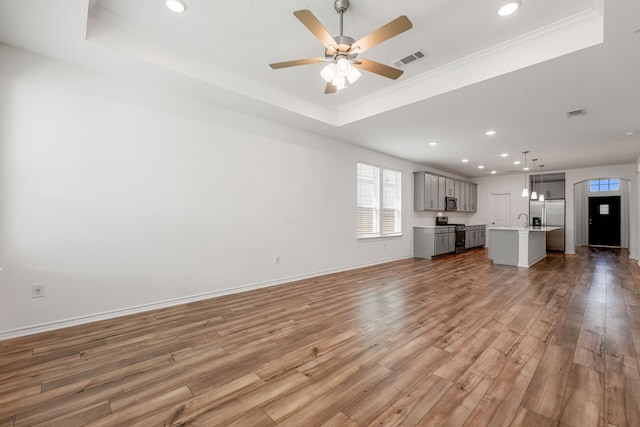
(379, 203)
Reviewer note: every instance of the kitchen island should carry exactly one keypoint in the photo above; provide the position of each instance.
(518, 246)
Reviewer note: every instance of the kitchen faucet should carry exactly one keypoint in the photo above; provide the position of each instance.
(526, 219)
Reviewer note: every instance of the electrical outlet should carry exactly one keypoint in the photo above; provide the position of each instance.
(37, 290)
(278, 260)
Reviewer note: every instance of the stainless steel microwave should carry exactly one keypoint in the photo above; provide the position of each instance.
(450, 204)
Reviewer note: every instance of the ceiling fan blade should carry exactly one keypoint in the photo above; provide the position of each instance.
(311, 22)
(330, 88)
(392, 29)
(377, 68)
(296, 62)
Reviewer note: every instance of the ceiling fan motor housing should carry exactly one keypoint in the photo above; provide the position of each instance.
(341, 6)
(343, 44)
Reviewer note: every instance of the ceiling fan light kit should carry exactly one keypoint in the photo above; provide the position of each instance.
(341, 51)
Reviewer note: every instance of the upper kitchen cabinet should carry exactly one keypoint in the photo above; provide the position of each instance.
(554, 190)
(463, 197)
(467, 197)
(450, 187)
(430, 191)
(473, 197)
(426, 192)
(551, 185)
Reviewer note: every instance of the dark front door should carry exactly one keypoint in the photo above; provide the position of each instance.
(604, 221)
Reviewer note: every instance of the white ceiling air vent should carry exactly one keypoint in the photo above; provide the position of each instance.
(409, 59)
(576, 113)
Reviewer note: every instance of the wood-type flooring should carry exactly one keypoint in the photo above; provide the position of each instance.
(455, 341)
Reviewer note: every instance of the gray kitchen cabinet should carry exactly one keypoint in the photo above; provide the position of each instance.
(432, 241)
(463, 198)
(430, 191)
(441, 244)
(442, 191)
(475, 236)
(425, 191)
(482, 236)
(554, 189)
(470, 237)
(473, 197)
(450, 187)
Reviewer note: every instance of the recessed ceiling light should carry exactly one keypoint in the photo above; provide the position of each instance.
(465, 160)
(481, 167)
(177, 6)
(433, 143)
(504, 155)
(494, 172)
(491, 132)
(633, 132)
(517, 162)
(526, 168)
(509, 8)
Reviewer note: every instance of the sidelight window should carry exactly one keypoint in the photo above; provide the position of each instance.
(608, 184)
(379, 201)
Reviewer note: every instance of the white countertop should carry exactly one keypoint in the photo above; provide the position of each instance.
(521, 228)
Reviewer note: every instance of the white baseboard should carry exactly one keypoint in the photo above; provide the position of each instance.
(80, 320)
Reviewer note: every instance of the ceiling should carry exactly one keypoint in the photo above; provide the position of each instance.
(519, 74)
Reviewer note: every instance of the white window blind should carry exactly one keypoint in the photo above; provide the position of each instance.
(379, 203)
(368, 200)
(391, 207)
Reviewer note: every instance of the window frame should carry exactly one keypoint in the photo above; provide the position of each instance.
(599, 185)
(380, 198)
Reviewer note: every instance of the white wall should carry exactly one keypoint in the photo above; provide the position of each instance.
(512, 184)
(502, 184)
(581, 195)
(120, 198)
(575, 176)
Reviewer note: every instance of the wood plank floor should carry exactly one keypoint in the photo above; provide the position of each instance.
(454, 341)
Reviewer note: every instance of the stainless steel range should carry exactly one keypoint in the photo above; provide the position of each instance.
(460, 232)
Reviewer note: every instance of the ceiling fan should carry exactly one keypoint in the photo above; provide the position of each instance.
(341, 52)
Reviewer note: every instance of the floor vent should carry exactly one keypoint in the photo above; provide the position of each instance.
(576, 113)
(409, 59)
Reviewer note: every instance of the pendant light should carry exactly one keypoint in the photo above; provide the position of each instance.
(525, 190)
(541, 198)
(534, 195)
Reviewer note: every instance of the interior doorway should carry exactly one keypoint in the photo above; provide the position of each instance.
(500, 209)
(604, 221)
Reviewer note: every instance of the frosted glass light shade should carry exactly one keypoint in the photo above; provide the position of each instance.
(353, 75)
(343, 67)
(525, 192)
(534, 195)
(340, 82)
(329, 72)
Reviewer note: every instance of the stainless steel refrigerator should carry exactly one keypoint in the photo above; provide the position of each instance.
(552, 214)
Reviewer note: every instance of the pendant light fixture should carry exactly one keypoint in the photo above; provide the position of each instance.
(534, 195)
(541, 198)
(525, 190)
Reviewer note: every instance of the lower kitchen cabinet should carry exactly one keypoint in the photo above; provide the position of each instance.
(475, 236)
(432, 241)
